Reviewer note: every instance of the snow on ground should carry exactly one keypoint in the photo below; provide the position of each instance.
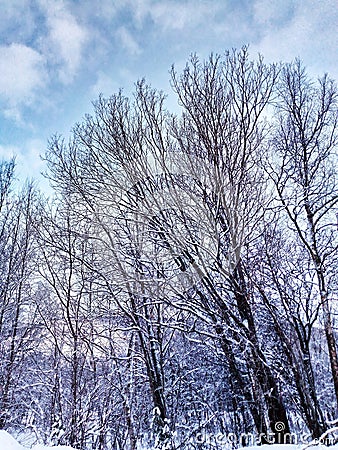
(7, 442)
(289, 447)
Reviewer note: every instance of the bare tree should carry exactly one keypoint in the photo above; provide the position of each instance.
(220, 137)
(18, 217)
(176, 209)
(283, 278)
(302, 169)
(143, 163)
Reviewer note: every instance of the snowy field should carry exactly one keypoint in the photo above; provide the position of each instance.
(7, 442)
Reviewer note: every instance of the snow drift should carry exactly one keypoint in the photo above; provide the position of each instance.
(7, 442)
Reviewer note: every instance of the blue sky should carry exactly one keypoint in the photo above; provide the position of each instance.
(57, 56)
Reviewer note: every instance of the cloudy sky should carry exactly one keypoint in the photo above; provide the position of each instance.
(57, 56)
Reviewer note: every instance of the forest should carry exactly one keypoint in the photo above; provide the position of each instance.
(179, 288)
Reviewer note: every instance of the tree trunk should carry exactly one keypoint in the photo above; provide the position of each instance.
(278, 420)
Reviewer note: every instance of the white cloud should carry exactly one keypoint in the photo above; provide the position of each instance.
(268, 11)
(29, 164)
(8, 152)
(65, 40)
(105, 10)
(28, 157)
(23, 73)
(177, 16)
(140, 9)
(127, 41)
(310, 33)
(104, 85)
(287, 42)
(17, 16)
(173, 15)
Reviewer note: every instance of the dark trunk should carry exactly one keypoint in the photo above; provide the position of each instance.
(278, 420)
